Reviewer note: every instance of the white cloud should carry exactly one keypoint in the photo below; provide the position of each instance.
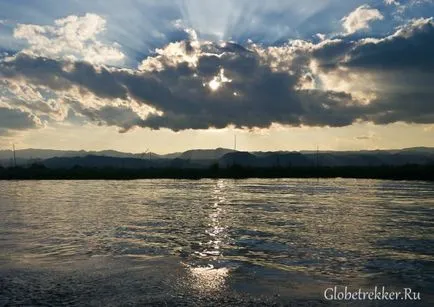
(72, 38)
(415, 25)
(30, 98)
(174, 53)
(360, 18)
(391, 2)
(321, 36)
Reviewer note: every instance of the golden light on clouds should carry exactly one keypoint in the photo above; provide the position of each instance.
(73, 83)
(214, 84)
(218, 80)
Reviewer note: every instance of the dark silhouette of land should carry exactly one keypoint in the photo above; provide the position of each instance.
(41, 172)
(406, 164)
(204, 158)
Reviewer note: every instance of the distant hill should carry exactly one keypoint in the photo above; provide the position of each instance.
(49, 153)
(42, 154)
(203, 158)
(96, 161)
(242, 158)
(205, 154)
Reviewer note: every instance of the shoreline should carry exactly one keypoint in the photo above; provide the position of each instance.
(406, 172)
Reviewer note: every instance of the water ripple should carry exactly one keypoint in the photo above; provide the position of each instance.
(225, 233)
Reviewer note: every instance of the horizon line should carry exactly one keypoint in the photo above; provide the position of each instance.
(216, 148)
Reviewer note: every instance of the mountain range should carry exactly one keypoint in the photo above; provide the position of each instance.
(202, 158)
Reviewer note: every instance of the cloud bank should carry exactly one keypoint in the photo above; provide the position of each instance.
(198, 84)
(16, 119)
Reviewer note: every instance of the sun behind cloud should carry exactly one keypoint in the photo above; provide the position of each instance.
(218, 80)
(85, 68)
(214, 84)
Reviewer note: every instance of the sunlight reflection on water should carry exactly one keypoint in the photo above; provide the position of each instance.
(218, 236)
(209, 278)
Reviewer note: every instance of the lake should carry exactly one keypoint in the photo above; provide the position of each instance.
(212, 242)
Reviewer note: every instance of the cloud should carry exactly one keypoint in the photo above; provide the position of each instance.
(31, 98)
(16, 119)
(194, 84)
(184, 97)
(73, 38)
(394, 73)
(369, 136)
(391, 2)
(360, 18)
(174, 54)
(411, 46)
(120, 116)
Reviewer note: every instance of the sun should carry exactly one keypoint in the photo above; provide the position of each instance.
(214, 84)
(218, 80)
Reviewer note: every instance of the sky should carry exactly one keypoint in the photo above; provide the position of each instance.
(169, 76)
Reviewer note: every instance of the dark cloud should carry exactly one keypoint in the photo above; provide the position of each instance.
(332, 52)
(412, 47)
(255, 96)
(119, 116)
(209, 65)
(16, 119)
(256, 86)
(59, 75)
(400, 66)
(413, 107)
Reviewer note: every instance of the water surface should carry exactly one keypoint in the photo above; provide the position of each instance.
(229, 242)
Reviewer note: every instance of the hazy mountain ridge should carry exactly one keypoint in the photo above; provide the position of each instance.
(205, 154)
(202, 158)
(42, 154)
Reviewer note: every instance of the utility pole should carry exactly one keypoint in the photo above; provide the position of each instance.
(235, 142)
(317, 162)
(149, 153)
(15, 157)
